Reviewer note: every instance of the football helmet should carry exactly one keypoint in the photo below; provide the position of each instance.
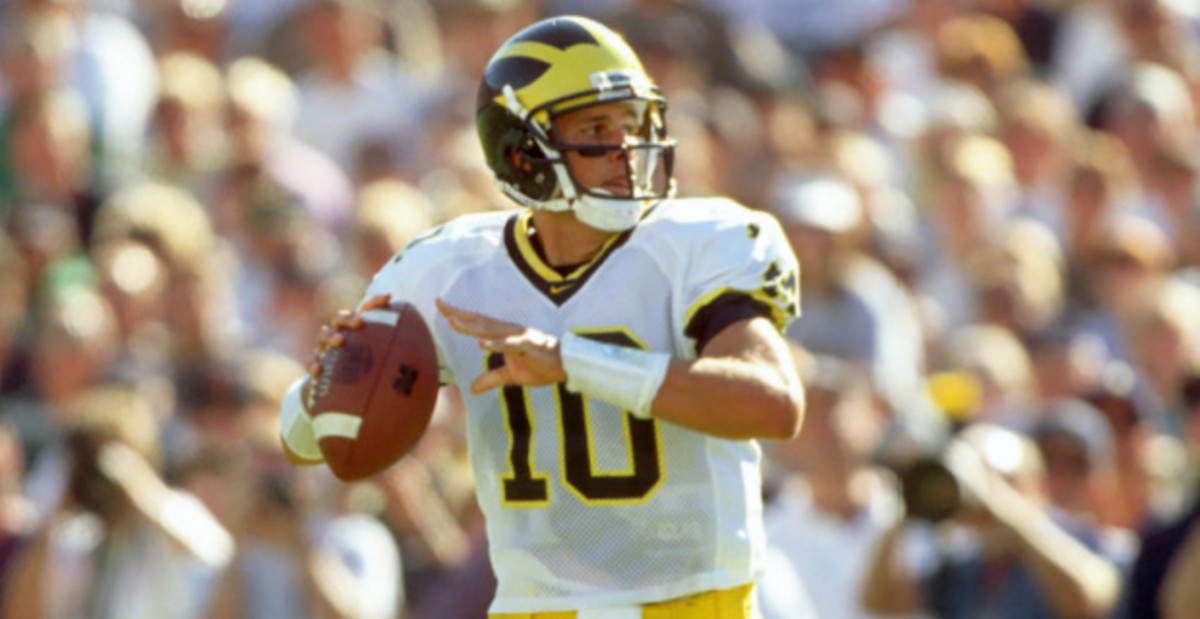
(556, 66)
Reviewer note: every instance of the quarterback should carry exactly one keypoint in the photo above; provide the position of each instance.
(618, 348)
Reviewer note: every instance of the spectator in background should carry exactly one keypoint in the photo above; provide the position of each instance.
(1137, 499)
(1077, 449)
(1164, 336)
(692, 46)
(281, 206)
(152, 551)
(1065, 363)
(34, 52)
(73, 346)
(18, 517)
(832, 502)
(1127, 261)
(471, 31)
(14, 296)
(1156, 118)
(389, 214)
(1019, 280)
(356, 95)
(265, 153)
(1164, 579)
(1010, 557)
(134, 281)
(1167, 568)
(1000, 364)
(48, 148)
(1036, 24)
(300, 553)
(432, 509)
(878, 173)
(854, 309)
(1177, 185)
(1091, 50)
(195, 27)
(971, 197)
(1152, 113)
(32, 63)
(954, 111)
(302, 548)
(1101, 180)
(186, 144)
(112, 67)
(808, 27)
(287, 258)
(178, 231)
(1038, 124)
(980, 50)
(1155, 31)
(904, 52)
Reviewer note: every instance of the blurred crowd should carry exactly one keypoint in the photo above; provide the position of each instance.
(996, 205)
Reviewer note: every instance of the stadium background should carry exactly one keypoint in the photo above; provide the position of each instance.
(996, 204)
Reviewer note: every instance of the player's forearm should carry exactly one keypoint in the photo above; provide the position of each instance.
(227, 597)
(181, 517)
(25, 586)
(744, 385)
(730, 398)
(888, 588)
(331, 586)
(1077, 582)
(1180, 596)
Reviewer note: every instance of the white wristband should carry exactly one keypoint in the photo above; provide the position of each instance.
(625, 377)
(296, 427)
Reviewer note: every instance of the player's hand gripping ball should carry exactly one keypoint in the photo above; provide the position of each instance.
(373, 388)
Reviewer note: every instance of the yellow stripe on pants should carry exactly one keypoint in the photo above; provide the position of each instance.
(732, 603)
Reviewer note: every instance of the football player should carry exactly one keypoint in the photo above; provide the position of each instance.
(619, 348)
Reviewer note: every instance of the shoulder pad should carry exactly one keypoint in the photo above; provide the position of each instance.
(438, 250)
(725, 249)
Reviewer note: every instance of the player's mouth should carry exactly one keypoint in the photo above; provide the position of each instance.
(618, 185)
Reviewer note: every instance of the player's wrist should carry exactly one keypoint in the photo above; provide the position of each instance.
(628, 378)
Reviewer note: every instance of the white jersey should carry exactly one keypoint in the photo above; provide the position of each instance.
(587, 506)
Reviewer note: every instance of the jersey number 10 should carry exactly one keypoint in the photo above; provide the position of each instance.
(525, 487)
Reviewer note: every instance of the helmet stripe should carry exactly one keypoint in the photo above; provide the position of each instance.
(517, 71)
(533, 49)
(560, 33)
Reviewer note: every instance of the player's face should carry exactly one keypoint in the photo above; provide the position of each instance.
(609, 124)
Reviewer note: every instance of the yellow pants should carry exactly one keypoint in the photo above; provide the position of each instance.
(732, 603)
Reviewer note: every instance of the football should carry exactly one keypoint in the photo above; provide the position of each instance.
(375, 394)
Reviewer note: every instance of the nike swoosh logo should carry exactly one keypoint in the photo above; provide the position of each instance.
(562, 288)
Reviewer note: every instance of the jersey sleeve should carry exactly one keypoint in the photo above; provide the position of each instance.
(745, 261)
(411, 276)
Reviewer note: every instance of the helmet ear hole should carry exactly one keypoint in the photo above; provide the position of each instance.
(514, 155)
(525, 152)
(530, 171)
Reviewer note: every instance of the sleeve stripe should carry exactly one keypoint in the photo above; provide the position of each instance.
(779, 316)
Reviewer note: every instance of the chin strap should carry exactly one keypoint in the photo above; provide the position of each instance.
(610, 214)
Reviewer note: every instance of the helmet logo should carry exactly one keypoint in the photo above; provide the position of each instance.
(611, 84)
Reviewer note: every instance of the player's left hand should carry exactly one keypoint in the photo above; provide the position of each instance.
(530, 356)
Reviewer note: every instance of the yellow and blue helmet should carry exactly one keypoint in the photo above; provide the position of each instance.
(553, 67)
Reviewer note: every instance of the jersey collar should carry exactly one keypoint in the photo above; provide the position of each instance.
(554, 285)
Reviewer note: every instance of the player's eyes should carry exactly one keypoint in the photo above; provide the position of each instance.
(598, 151)
(630, 129)
(591, 131)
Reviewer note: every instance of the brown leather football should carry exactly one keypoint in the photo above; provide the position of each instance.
(375, 394)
